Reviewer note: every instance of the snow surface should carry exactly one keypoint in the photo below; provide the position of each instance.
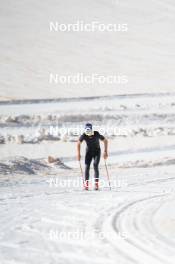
(30, 52)
(45, 215)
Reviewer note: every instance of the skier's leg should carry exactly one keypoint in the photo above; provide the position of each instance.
(88, 159)
(96, 169)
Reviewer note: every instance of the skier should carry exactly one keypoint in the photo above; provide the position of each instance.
(93, 151)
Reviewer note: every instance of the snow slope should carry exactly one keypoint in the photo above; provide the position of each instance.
(30, 52)
(46, 217)
(47, 223)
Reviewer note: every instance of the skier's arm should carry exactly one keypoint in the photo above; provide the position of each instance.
(105, 155)
(79, 150)
(81, 138)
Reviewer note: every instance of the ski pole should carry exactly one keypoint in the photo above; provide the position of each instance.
(82, 175)
(107, 175)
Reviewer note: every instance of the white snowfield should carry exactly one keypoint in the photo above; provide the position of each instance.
(45, 220)
(47, 217)
(30, 52)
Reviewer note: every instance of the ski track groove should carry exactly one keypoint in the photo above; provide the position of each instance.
(117, 215)
(117, 219)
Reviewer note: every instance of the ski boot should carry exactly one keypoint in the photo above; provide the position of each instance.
(96, 185)
(86, 186)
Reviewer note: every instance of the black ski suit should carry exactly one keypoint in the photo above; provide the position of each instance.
(93, 151)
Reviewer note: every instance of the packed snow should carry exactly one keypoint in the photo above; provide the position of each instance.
(45, 214)
(47, 217)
